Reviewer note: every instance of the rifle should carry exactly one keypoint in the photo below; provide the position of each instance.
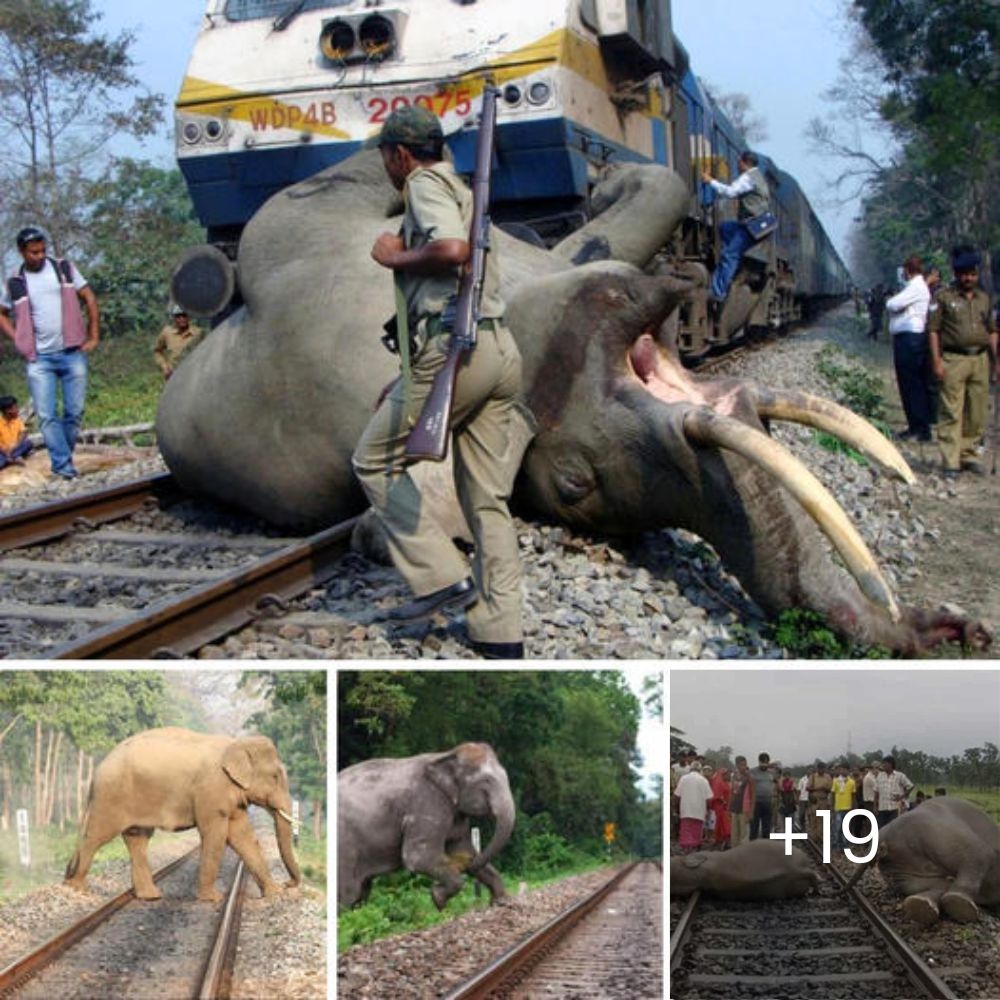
(429, 437)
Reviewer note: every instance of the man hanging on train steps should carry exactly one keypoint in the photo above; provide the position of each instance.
(754, 221)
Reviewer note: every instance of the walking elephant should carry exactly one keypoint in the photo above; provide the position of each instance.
(942, 856)
(759, 869)
(414, 813)
(175, 779)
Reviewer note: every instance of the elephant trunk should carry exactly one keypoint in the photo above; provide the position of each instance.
(503, 811)
(283, 834)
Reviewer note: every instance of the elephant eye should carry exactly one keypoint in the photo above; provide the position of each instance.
(574, 483)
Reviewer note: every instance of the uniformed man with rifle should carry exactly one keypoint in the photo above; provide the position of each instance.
(460, 379)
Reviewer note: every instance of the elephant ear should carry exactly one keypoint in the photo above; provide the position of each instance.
(237, 764)
(695, 860)
(442, 772)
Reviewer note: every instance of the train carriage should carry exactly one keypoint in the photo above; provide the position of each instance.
(277, 90)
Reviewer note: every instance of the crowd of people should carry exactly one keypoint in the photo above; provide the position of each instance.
(944, 344)
(722, 807)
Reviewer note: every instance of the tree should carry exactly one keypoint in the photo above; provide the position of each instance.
(64, 93)
(141, 220)
(738, 109)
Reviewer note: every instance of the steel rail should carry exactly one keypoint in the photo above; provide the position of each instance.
(524, 953)
(683, 930)
(44, 522)
(217, 975)
(920, 973)
(176, 626)
(21, 970)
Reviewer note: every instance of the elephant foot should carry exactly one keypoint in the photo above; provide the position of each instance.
(503, 899)
(920, 910)
(150, 894)
(270, 889)
(210, 895)
(76, 884)
(960, 907)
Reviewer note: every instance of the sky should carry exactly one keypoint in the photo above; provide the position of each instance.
(800, 714)
(782, 53)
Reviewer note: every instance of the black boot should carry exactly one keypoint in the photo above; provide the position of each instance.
(499, 650)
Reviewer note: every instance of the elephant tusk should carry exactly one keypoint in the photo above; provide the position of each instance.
(824, 415)
(285, 816)
(705, 426)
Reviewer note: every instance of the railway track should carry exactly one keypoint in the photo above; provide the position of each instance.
(607, 946)
(832, 945)
(130, 572)
(128, 948)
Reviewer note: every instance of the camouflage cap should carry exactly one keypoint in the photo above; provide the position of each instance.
(411, 126)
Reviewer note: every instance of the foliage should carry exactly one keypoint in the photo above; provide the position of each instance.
(855, 387)
(141, 221)
(65, 92)
(806, 634)
(678, 744)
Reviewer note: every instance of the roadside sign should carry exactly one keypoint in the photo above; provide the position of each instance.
(609, 832)
(23, 843)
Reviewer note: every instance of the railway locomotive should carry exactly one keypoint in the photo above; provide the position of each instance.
(276, 90)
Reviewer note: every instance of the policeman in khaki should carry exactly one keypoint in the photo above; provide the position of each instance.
(490, 426)
(963, 343)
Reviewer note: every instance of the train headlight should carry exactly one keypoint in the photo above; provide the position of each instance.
(377, 37)
(512, 94)
(191, 132)
(213, 130)
(539, 92)
(336, 40)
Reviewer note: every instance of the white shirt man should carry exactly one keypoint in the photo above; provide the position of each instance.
(908, 307)
(694, 792)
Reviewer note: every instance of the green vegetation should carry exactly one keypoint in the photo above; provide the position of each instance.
(988, 800)
(854, 385)
(806, 634)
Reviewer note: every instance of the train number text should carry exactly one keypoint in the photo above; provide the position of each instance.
(459, 101)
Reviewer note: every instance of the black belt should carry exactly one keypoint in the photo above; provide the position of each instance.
(969, 352)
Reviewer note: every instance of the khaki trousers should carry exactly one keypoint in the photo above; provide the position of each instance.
(740, 831)
(965, 397)
(490, 430)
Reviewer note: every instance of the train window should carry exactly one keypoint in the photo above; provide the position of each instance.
(251, 10)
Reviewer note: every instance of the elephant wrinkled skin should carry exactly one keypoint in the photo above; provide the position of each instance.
(267, 415)
(944, 857)
(414, 813)
(755, 870)
(175, 779)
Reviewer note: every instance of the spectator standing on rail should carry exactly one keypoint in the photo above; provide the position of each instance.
(876, 310)
(693, 794)
(753, 198)
(721, 792)
(820, 786)
(843, 802)
(789, 794)
(869, 787)
(892, 789)
(802, 787)
(174, 341)
(964, 357)
(907, 325)
(740, 803)
(14, 443)
(50, 333)
(489, 425)
(763, 789)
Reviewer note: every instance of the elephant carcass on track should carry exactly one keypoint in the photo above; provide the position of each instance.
(267, 415)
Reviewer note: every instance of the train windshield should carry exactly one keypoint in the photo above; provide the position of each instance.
(251, 10)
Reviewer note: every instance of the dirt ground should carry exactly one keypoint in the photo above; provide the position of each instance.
(963, 569)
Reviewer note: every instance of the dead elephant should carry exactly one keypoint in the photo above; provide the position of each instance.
(753, 871)
(269, 415)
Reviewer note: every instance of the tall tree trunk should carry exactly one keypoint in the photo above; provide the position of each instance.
(8, 795)
(55, 745)
(317, 818)
(38, 774)
(79, 786)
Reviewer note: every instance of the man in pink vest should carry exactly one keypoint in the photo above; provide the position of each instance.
(50, 333)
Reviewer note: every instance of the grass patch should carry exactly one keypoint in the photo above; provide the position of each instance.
(990, 801)
(854, 385)
(124, 385)
(806, 635)
(401, 902)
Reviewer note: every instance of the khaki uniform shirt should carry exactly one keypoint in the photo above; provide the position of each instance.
(439, 207)
(962, 322)
(172, 343)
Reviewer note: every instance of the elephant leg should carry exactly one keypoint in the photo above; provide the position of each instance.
(243, 841)
(137, 841)
(960, 906)
(923, 907)
(490, 877)
(213, 843)
(421, 857)
(96, 834)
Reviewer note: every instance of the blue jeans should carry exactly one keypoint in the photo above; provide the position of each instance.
(760, 824)
(837, 838)
(911, 356)
(21, 450)
(735, 242)
(46, 374)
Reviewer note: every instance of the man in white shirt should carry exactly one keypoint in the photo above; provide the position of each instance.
(694, 793)
(907, 325)
(892, 790)
(41, 313)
